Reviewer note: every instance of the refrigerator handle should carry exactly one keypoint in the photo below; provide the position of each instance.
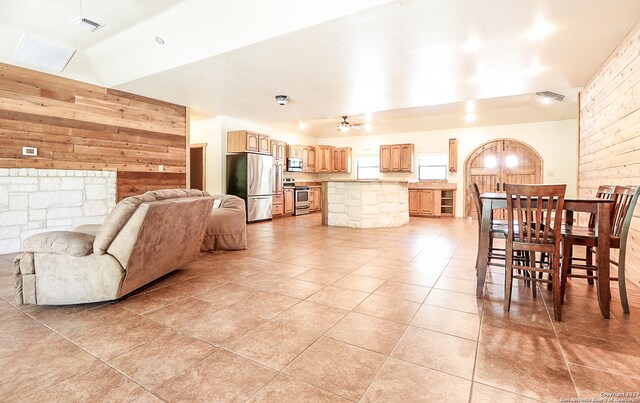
(250, 174)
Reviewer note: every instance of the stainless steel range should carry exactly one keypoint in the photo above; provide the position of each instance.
(301, 200)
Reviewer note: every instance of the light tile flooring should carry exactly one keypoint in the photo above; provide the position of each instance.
(311, 313)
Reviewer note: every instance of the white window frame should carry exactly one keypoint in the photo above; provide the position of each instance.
(433, 160)
(368, 158)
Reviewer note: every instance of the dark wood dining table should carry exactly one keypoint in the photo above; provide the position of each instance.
(600, 207)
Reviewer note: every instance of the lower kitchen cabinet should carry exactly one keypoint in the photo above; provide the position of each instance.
(432, 202)
(315, 199)
(289, 202)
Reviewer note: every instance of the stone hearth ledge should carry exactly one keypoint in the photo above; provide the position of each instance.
(365, 203)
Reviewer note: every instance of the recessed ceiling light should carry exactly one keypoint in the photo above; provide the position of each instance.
(535, 68)
(302, 125)
(473, 44)
(367, 127)
(160, 40)
(471, 106)
(470, 117)
(282, 99)
(540, 30)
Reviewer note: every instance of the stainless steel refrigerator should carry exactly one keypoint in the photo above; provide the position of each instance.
(249, 177)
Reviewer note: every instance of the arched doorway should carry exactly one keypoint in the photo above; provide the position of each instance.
(497, 162)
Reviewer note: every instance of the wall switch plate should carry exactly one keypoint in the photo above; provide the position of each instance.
(160, 168)
(30, 151)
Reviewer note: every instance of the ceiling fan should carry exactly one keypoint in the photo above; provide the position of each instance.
(345, 126)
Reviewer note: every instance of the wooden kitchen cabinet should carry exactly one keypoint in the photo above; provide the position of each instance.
(289, 202)
(277, 205)
(432, 202)
(396, 158)
(315, 198)
(246, 141)
(278, 150)
(325, 156)
(341, 159)
(308, 158)
(295, 151)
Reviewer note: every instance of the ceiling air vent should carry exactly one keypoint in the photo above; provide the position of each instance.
(551, 95)
(45, 55)
(87, 24)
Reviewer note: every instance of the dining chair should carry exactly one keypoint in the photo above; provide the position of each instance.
(625, 199)
(603, 192)
(537, 211)
(496, 230)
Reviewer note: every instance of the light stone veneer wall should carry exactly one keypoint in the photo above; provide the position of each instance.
(367, 204)
(39, 200)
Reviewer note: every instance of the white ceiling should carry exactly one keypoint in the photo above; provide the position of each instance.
(403, 61)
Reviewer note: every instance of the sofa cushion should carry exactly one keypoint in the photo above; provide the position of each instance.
(116, 219)
(59, 242)
(164, 194)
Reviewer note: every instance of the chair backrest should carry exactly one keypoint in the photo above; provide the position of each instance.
(625, 200)
(604, 192)
(537, 211)
(475, 195)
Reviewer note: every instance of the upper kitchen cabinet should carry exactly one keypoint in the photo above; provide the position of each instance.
(325, 155)
(245, 141)
(278, 150)
(341, 159)
(396, 158)
(308, 158)
(295, 151)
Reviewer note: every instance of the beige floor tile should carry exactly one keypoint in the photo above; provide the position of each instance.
(152, 300)
(311, 317)
(457, 285)
(297, 288)
(442, 352)
(455, 323)
(101, 383)
(338, 297)
(153, 363)
(320, 276)
(364, 331)
(620, 358)
(222, 376)
(340, 368)
(486, 394)
(454, 300)
(382, 273)
(224, 326)
(402, 382)
(273, 344)
(358, 283)
(284, 388)
(591, 383)
(415, 278)
(407, 292)
(389, 308)
(226, 295)
(29, 374)
(266, 304)
(114, 339)
(523, 374)
(148, 398)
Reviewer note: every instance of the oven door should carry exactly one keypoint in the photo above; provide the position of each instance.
(302, 201)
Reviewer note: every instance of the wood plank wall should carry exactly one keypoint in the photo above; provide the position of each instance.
(610, 132)
(77, 125)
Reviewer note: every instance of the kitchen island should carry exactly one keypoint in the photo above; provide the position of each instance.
(365, 203)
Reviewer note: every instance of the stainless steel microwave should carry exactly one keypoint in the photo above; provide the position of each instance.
(294, 165)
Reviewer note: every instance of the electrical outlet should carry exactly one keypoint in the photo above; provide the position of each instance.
(160, 168)
(30, 151)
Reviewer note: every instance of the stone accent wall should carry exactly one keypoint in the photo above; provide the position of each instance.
(367, 204)
(38, 200)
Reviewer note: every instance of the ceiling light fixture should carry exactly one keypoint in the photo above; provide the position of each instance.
(535, 68)
(160, 40)
(302, 125)
(473, 44)
(470, 117)
(367, 127)
(540, 30)
(282, 99)
(471, 106)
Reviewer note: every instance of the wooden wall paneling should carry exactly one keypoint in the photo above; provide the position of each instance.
(78, 125)
(609, 140)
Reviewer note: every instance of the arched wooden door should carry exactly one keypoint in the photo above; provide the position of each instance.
(498, 162)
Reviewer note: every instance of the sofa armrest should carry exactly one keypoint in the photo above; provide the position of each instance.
(59, 242)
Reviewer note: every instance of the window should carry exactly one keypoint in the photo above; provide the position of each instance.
(368, 167)
(432, 167)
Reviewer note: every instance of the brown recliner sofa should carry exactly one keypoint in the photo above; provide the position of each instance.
(143, 238)
(227, 226)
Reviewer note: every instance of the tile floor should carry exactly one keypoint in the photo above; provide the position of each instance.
(311, 313)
